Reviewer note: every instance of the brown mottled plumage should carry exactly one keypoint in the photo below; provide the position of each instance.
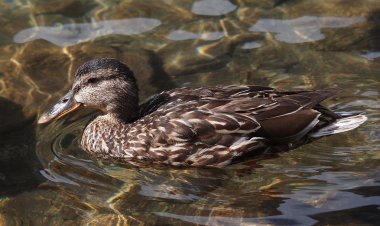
(192, 126)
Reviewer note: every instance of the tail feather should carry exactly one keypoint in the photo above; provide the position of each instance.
(310, 99)
(340, 125)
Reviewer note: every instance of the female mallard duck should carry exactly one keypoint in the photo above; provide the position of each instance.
(192, 126)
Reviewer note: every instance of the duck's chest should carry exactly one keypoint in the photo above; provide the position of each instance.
(112, 140)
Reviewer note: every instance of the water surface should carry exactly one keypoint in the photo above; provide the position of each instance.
(46, 179)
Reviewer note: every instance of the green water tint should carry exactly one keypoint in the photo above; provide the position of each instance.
(46, 179)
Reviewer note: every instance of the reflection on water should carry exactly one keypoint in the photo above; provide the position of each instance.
(251, 45)
(212, 7)
(303, 29)
(71, 34)
(371, 55)
(49, 180)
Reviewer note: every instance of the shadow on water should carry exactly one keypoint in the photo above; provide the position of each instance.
(19, 165)
(161, 79)
(365, 215)
(374, 35)
(370, 45)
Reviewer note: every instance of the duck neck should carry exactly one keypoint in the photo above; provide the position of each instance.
(126, 112)
(125, 106)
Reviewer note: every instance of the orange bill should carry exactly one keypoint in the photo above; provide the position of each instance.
(66, 105)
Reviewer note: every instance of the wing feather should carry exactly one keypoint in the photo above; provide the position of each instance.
(211, 126)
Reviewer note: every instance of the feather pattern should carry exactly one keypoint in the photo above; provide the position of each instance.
(210, 126)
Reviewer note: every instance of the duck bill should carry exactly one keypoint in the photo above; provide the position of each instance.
(66, 105)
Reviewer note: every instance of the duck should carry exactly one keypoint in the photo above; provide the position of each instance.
(193, 127)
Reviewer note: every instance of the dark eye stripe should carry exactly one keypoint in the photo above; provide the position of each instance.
(99, 79)
(93, 81)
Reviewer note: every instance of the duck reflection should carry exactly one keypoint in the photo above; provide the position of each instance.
(206, 193)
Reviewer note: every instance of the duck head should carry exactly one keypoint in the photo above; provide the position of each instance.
(105, 84)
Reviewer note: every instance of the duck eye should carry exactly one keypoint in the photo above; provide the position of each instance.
(91, 80)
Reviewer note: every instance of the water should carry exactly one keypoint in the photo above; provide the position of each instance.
(46, 179)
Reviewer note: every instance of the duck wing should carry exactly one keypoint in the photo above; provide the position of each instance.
(211, 126)
(229, 92)
(294, 115)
